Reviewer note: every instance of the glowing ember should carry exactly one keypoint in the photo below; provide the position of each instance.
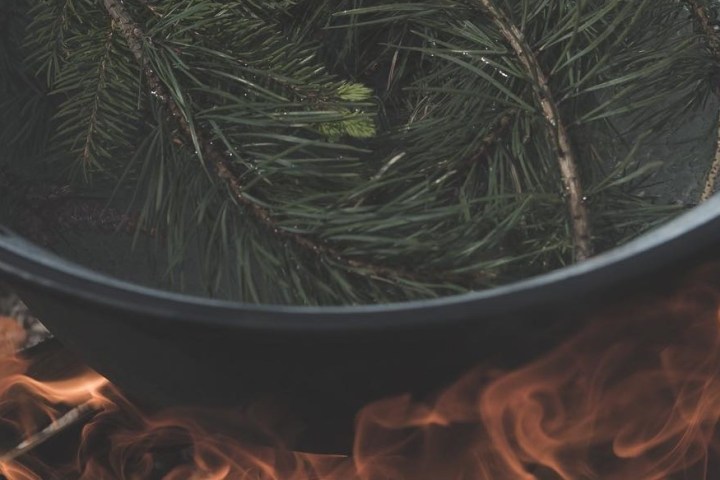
(636, 395)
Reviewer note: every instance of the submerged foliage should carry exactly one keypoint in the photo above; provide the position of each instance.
(357, 151)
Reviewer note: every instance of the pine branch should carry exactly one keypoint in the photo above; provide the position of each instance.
(704, 21)
(567, 161)
(712, 37)
(87, 150)
(493, 137)
(93, 90)
(244, 147)
(217, 161)
(40, 212)
(47, 46)
(150, 7)
(714, 172)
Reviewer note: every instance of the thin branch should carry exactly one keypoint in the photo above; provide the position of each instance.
(567, 161)
(216, 161)
(712, 37)
(150, 7)
(714, 172)
(92, 126)
(704, 20)
(493, 137)
(43, 210)
(77, 415)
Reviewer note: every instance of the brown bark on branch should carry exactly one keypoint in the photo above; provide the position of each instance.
(712, 38)
(714, 172)
(216, 161)
(567, 161)
(43, 211)
(704, 21)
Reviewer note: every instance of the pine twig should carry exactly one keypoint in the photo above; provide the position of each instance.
(150, 7)
(493, 137)
(567, 161)
(78, 414)
(714, 172)
(712, 37)
(101, 80)
(216, 161)
(704, 21)
(45, 209)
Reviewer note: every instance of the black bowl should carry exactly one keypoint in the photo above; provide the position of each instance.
(323, 364)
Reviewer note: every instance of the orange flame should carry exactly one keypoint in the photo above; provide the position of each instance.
(634, 396)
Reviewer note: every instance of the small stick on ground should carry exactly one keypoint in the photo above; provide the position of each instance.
(567, 161)
(78, 414)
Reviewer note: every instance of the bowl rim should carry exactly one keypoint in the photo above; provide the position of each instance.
(39, 270)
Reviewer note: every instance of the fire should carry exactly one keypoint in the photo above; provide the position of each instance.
(634, 396)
